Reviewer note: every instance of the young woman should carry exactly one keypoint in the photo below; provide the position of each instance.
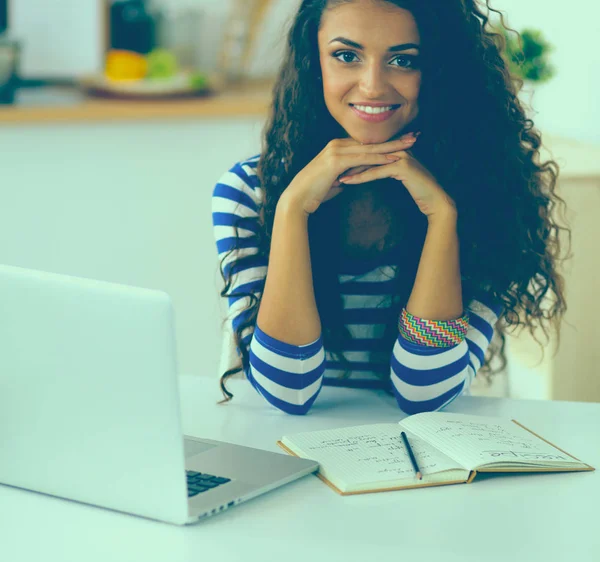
(398, 215)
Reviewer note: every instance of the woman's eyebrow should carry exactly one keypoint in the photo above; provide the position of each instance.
(395, 48)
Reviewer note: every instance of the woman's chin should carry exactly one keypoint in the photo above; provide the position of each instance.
(374, 137)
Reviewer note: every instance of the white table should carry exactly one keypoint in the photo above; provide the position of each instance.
(550, 517)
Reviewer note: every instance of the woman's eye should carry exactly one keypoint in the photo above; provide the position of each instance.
(406, 61)
(345, 56)
(401, 61)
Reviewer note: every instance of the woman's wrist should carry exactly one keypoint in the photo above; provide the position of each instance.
(290, 204)
(445, 218)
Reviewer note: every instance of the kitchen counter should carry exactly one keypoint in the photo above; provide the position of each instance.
(47, 105)
(64, 104)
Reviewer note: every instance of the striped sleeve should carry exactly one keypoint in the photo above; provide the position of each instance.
(235, 203)
(289, 377)
(427, 378)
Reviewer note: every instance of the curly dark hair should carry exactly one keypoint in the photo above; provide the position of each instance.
(476, 140)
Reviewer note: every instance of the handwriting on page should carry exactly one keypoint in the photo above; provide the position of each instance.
(381, 455)
(524, 456)
(497, 441)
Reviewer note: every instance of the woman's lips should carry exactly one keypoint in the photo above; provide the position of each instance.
(378, 117)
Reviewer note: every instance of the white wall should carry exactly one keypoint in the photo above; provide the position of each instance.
(215, 14)
(49, 35)
(567, 105)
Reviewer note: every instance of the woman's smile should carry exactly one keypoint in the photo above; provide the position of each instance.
(374, 113)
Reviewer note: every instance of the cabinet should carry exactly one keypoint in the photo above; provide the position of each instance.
(569, 370)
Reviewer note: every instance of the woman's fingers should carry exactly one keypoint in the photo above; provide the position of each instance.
(356, 170)
(373, 174)
(355, 164)
(407, 141)
(365, 161)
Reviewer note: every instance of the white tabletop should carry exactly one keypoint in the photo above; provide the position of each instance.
(550, 517)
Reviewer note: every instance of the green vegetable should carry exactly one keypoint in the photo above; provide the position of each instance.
(162, 64)
(199, 81)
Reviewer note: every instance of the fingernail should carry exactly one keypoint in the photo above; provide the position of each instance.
(392, 157)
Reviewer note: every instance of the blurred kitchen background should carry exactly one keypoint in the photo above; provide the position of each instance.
(118, 117)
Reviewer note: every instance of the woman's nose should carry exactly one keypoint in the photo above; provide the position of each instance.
(373, 81)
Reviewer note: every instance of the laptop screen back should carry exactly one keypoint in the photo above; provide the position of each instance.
(89, 406)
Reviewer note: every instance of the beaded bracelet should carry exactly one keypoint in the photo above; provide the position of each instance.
(433, 333)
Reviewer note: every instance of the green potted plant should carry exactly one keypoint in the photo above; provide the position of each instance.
(528, 59)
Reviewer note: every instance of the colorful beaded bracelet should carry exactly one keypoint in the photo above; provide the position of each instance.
(433, 333)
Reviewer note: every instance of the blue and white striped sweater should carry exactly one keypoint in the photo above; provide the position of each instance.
(290, 377)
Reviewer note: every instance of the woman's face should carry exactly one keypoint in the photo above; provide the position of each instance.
(369, 53)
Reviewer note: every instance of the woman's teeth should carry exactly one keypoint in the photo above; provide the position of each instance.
(374, 110)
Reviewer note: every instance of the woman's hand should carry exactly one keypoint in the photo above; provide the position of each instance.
(429, 196)
(318, 181)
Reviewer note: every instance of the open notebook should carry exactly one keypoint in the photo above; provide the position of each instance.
(449, 448)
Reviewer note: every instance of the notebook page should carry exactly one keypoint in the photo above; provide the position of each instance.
(479, 440)
(368, 453)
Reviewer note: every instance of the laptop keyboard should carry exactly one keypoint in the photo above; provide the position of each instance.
(198, 482)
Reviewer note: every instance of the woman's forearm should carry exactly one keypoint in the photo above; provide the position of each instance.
(437, 292)
(288, 310)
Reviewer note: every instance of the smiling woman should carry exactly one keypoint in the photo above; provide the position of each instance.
(367, 77)
(398, 218)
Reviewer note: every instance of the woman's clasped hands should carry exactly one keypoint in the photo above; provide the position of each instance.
(429, 196)
(345, 162)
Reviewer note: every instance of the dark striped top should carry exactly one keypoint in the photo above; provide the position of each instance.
(422, 378)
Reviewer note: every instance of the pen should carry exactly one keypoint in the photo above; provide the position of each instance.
(412, 456)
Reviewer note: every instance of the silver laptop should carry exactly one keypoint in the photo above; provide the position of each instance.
(89, 405)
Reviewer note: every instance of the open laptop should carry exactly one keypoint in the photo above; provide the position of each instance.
(89, 405)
